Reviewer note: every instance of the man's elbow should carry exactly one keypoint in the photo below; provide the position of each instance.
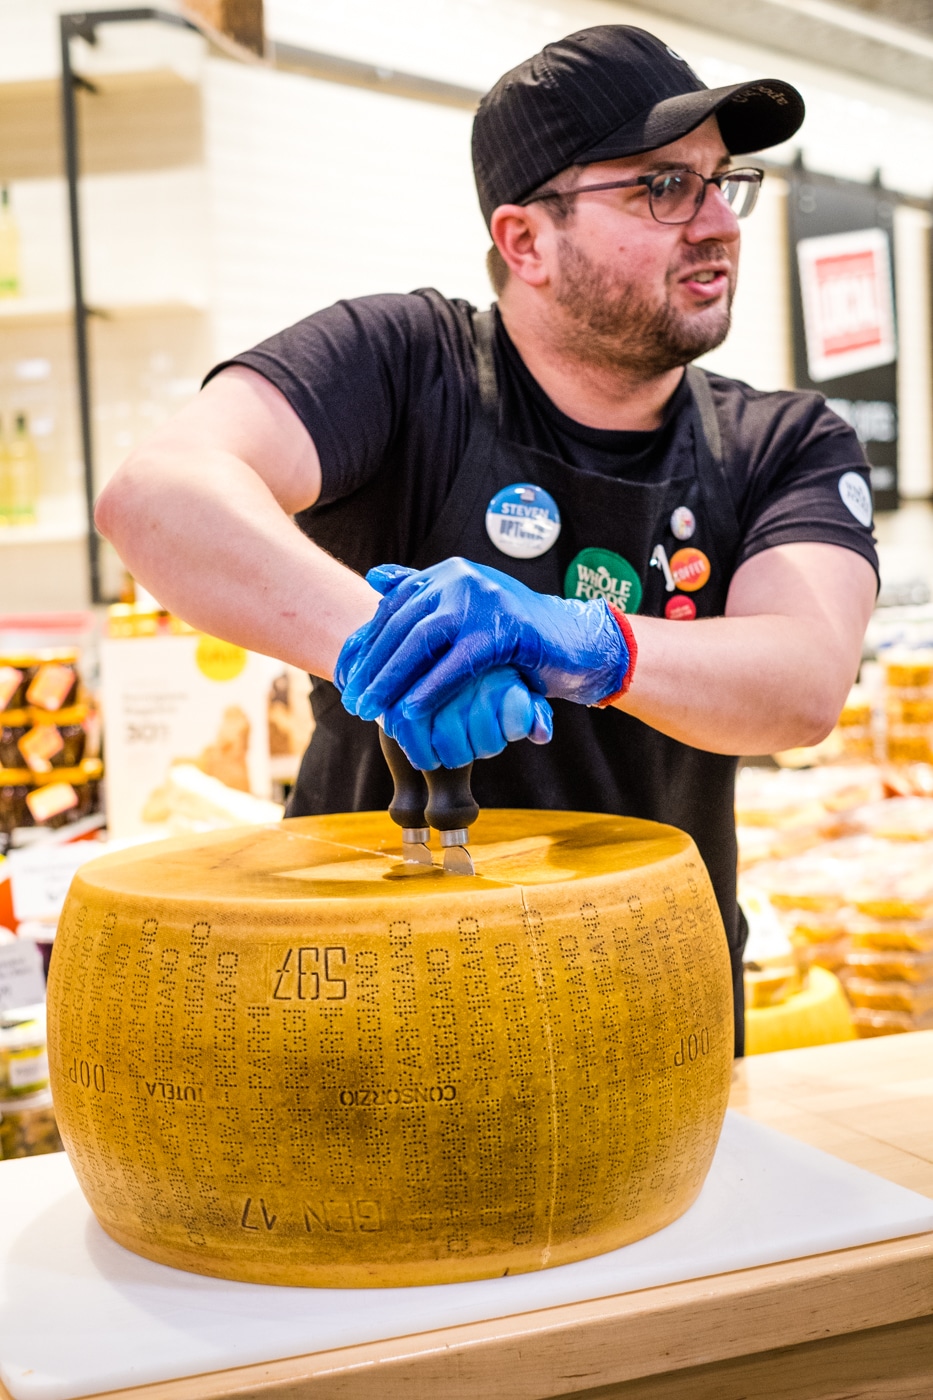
(817, 715)
(118, 507)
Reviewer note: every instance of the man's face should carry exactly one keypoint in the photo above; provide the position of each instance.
(635, 293)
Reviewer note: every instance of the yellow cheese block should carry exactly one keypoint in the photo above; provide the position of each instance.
(818, 1015)
(282, 1055)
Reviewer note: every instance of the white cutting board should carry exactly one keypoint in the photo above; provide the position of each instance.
(79, 1314)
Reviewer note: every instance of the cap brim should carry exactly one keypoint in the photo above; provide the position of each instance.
(752, 117)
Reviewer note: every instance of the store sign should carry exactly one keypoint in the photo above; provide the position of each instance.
(186, 699)
(843, 272)
(848, 304)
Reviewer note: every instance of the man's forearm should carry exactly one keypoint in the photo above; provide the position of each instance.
(204, 534)
(738, 685)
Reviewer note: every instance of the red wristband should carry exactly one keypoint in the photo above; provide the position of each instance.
(625, 627)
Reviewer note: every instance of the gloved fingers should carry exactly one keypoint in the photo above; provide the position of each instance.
(414, 736)
(488, 735)
(469, 656)
(385, 636)
(397, 659)
(450, 733)
(514, 709)
(542, 728)
(385, 578)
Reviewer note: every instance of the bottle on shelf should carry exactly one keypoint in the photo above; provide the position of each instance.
(21, 474)
(9, 248)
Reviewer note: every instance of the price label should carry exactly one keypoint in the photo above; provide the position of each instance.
(21, 978)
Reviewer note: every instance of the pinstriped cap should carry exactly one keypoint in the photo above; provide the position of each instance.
(607, 92)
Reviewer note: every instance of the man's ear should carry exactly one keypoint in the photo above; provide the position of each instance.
(524, 236)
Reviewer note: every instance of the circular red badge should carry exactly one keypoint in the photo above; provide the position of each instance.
(680, 609)
(690, 569)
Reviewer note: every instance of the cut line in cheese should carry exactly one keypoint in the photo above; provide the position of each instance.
(282, 1055)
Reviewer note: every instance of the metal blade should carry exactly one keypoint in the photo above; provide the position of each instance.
(416, 853)
(458, 861)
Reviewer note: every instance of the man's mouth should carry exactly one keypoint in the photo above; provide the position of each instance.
(706, 281)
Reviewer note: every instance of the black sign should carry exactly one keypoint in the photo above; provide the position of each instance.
(843, 313)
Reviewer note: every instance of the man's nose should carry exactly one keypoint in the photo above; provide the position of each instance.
(715, 219)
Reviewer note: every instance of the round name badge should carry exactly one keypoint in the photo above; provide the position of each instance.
(680, 609)
(600, 573)
(522, 521)
(683, 523)
(690, 569)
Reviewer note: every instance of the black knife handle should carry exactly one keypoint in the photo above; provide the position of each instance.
(451, 805)
(411, 794)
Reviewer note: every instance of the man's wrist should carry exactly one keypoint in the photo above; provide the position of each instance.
(631, 646)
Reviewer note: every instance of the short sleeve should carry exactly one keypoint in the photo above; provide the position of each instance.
(800, 473)
(372, 379)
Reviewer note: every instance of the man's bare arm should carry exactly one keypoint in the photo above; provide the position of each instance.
(200, 515)
(775, 671)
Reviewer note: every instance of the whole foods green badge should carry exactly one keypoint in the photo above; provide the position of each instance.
(599, 573)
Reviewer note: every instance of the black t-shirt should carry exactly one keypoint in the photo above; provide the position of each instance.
(388, 384)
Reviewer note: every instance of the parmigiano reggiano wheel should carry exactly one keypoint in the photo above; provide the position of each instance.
(280, 1055)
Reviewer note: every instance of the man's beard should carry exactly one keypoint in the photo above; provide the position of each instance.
(610, 323)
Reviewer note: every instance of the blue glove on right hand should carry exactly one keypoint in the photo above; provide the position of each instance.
(494, 710)
(438, 630)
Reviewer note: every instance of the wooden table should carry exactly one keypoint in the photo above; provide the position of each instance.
(853, 1325)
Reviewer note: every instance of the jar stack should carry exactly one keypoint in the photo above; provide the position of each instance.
(862, 907)
(27, 1117)
(46, 776)
(909, 706)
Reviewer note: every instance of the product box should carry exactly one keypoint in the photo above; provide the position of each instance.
(188, 699)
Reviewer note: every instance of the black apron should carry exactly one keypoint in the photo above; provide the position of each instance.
(598, 760)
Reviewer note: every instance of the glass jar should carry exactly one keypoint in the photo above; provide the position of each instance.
(24, 1060)
(28, 1127)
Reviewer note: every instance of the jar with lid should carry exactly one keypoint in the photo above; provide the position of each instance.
(27, 1126)
(24, 1060)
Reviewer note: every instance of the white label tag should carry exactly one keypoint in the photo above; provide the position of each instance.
(22, 982)
(40, 878)
(856, 496)
(29, 1070)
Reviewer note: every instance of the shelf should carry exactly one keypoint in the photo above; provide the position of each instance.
(33, 311)
(62, 519)
(37, 311)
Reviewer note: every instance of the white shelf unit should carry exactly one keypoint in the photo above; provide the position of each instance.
(220, 201)
(143, 207)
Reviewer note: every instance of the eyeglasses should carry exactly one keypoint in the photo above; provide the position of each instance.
(675, 196)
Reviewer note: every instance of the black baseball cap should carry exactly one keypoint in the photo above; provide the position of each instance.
(607, 92)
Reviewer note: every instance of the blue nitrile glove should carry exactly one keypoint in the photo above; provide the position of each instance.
(488, 713)
(439, 628)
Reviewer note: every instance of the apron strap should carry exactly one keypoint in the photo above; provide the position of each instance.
(710, 455)
(471, 478)
(484, 331)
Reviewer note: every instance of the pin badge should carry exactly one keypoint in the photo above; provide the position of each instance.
(659, 560)
(680, 609)
(522, 521)
(690, 569)
(601, 573)
(683, 523)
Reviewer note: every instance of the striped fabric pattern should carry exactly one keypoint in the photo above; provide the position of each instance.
(604, 92)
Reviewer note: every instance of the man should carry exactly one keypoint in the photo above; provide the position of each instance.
(570, 498)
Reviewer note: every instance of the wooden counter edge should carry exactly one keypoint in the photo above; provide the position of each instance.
(605, 1341)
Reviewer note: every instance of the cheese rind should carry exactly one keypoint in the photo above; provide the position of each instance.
(284, 1056)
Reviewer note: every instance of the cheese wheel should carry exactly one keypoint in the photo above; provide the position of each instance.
(283, 1055)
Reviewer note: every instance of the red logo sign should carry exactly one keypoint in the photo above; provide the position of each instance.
(845, 280)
